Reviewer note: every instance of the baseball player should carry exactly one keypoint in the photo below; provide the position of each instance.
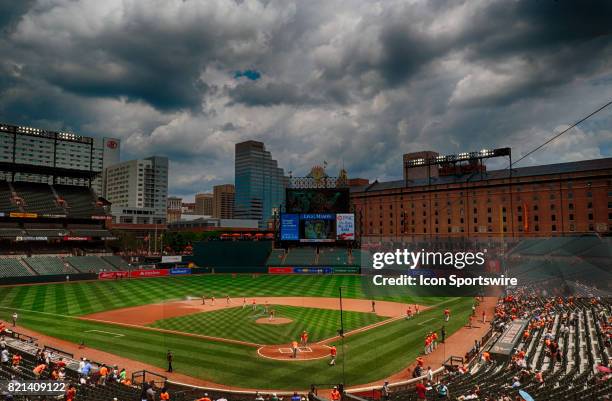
(304, 338)
(332, 354)
(203, 299)
(212, 300)
(228, 300)
(243, 303)
(254, 303)
(271, 315)
(446, 315)
(294, 347)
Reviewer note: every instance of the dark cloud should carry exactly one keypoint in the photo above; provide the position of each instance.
(356, 84)
(269, 94)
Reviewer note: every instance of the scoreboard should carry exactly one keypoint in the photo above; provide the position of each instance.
(317, 227)
(317, 215)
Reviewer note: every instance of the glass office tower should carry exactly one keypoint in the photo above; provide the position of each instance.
(260, 183)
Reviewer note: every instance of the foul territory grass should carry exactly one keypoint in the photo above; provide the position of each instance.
(371, 355)
(240, 324)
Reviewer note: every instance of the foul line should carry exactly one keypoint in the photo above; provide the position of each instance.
(425, 321)
(105, 332)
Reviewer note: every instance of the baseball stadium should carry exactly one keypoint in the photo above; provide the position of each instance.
(287, 312)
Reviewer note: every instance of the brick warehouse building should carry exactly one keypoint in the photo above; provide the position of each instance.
(550, 200)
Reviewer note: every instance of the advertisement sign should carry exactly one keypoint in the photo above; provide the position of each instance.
(101, 217)
(347, 270)
(31, 238)
(149, 273)
(345, 226)
(112, 275)
(23, 215)
(71, 238)
(313, 270)
(290, 227)
(179, 271)
(171, 259)
(280, 270)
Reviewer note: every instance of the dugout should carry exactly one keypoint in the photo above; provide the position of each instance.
(233, 256)
(505, 345)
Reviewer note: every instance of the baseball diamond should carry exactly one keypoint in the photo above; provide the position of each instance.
(226, 335)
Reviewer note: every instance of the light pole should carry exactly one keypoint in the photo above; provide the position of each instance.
(342, 338)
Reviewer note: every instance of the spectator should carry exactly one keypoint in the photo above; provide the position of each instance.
(295, 397)
(151, 391)
(385, 393)
(70, 393)
(164, 395)
(4, 357)
(258, 397)
(335, 394)
(421, 391)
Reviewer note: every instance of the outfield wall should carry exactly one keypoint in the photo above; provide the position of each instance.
(233, 256)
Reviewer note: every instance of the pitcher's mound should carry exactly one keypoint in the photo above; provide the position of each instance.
(276, 320)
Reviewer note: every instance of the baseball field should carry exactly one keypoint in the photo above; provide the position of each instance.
(143, 319)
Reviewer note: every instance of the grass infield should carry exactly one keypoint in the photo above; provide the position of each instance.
(52, 309)
(239, 324)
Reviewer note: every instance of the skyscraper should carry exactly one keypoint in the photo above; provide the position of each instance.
(260, 183)
(223, 201)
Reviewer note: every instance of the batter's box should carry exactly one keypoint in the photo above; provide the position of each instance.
(285, 350)
(304, 349)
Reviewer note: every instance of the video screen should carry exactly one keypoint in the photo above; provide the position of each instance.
(318, 230)
(331, 200)
(317, 227)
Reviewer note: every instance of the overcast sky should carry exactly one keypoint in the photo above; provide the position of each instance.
(356, 83)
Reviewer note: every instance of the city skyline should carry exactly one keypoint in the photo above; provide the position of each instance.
(356, 85)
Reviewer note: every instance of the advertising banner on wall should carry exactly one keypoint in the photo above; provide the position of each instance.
(345, 227)
(149, 273)
(112, 275)
(171, 259)
(175, 271)
(280, 270)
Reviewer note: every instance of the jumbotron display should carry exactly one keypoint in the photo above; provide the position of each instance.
(317, 227)
(317, 215)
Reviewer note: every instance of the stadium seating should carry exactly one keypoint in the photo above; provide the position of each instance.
(87, 264)
(6, 205)
(117, 262)
(12, 267)
(39, 198)
(333, 257)
(80, 201)
(276, 257)
(583, 345)
(300, 257)
(49, 265)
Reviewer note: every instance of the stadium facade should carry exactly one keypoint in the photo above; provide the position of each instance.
(21, 145)
(549, 200)
(260, 183)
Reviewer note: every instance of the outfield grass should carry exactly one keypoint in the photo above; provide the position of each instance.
(239, 324)
(372, 355)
